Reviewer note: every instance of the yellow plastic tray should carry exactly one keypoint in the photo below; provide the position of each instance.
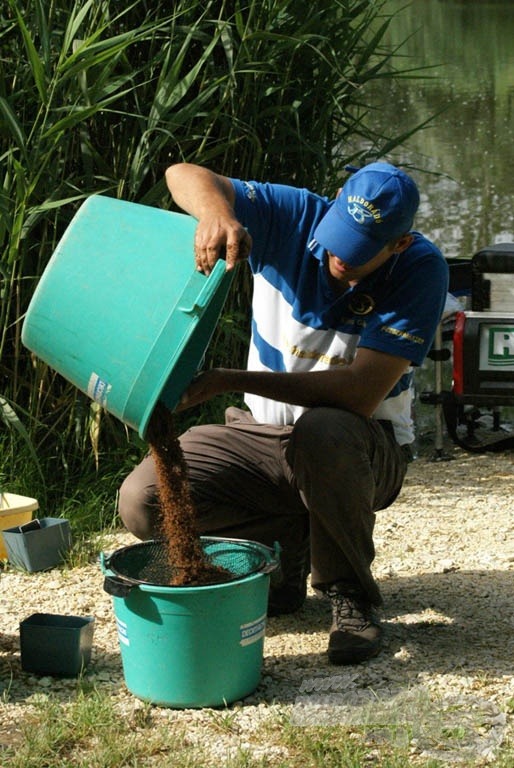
(14, 510)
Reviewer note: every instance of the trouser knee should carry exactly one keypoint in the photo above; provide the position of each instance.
(138, 509)
(324, 435)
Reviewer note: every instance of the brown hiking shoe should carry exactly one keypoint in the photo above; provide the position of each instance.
(355, 634)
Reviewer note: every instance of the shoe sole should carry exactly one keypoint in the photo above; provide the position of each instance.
(356, 656)
(340, 660)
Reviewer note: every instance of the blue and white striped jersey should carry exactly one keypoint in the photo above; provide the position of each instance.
(300, 324)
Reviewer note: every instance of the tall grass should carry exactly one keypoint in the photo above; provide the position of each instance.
(99, 97)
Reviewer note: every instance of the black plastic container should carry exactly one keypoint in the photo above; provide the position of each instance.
(56, 645)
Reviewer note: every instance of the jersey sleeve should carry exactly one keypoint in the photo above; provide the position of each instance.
(279, 219)
(407, 316)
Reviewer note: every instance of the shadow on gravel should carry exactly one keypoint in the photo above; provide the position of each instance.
(450, 620)
(446, 623)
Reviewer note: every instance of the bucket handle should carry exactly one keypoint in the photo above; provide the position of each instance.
(117, 586)
(207, 289)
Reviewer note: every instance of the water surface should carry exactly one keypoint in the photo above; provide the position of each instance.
(467, 198)
(469, 201)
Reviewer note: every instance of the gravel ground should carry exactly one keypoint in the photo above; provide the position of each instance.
(445, 562)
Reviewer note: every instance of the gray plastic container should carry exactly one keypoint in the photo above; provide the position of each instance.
(38, 545)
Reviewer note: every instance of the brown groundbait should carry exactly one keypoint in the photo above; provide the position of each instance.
(188, 561)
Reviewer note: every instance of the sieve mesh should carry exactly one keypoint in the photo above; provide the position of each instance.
(147, 563)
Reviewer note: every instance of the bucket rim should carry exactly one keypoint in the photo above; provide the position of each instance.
(271, 562)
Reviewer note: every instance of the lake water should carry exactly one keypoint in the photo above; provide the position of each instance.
(468, 199)
(464, 161)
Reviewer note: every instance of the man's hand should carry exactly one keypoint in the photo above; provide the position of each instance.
(220, 237)
(210, 198)
(359, 387)
(202, 387)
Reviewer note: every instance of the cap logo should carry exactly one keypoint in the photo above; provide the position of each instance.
(361, 210)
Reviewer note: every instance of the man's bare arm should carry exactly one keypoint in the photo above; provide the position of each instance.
(209, 197)
(359, 387)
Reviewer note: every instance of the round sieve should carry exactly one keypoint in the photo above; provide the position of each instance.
(148, 563)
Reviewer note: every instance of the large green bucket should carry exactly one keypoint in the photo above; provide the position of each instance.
(191, 647)
(121, 311)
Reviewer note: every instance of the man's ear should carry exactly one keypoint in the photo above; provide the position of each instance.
(403, 242)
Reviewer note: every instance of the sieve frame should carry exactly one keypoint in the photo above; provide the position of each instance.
(120, 585)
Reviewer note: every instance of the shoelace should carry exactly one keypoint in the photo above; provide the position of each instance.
(349, 612)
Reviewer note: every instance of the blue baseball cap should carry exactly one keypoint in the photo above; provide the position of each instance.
(376, 205)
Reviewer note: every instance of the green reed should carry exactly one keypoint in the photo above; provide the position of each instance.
(97, 97)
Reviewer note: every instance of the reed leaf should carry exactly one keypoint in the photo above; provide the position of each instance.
(11, 420)
(13, 127)
(35, 62)
(98, 99)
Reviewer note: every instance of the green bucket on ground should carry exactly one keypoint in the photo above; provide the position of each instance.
(192, 647)
(121, 311)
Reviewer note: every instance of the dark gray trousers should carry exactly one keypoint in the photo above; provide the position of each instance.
(319, 482)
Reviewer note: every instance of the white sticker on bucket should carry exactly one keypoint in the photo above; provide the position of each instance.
(122, 632)
(253, 630)
(97, 389)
